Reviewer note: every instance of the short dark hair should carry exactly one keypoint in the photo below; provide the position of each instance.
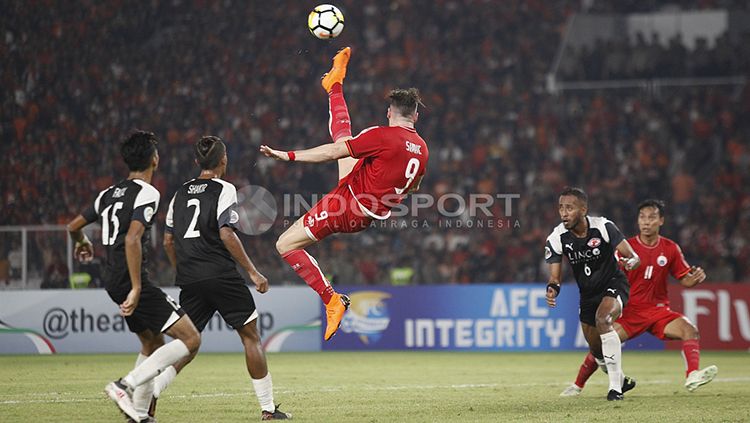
(138, 149)
(208, 151)
(579, 193)
(405, 100)
(652, 202)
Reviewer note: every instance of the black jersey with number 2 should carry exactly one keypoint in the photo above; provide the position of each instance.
(116, 207)
(592, 258)
(197, 212)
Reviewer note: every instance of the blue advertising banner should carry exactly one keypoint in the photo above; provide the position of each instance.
(509, 317)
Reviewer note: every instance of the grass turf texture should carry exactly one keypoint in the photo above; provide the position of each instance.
(383, 387)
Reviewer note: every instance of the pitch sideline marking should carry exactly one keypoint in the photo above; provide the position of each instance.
(348, 388)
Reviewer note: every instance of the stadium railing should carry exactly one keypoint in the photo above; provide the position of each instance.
(41, 256)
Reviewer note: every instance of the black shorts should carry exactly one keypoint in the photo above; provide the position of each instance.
(230, 297)
(617, 287)
(156, 310)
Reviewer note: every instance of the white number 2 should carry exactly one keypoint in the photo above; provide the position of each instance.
(191, 231)
(410, 173)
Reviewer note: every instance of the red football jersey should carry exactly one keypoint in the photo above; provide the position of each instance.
(392, 159)
(648, 282)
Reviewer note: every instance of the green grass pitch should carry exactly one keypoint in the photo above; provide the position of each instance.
(383, 387)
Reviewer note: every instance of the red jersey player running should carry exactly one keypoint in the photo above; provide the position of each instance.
(377, 168)
(648, 308)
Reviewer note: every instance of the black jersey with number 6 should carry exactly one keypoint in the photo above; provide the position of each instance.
(592, 258)
(116, 207)
(199, 209)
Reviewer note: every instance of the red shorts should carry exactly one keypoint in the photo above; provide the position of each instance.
(653, 319)
(337, 212)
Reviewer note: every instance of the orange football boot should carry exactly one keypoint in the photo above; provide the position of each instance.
(338, 70)
(335, 310)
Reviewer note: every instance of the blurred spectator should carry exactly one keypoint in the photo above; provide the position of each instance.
(15, 260)
(402, 273)
(56, 274)
(4, 268)
(639, 59)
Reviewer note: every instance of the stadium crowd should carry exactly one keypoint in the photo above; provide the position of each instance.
(79, 76)
(642, 58)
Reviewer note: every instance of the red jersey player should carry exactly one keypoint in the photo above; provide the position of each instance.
(648, 308)
(377, 168)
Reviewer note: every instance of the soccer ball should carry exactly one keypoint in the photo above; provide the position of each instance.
(326, 21)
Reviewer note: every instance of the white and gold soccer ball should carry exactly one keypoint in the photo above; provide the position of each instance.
(326, 21)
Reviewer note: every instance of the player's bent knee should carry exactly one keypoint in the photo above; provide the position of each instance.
(249, 333)
(604, 323)
(187, 333)
(692, 332)
(281, 246)
(192, 342)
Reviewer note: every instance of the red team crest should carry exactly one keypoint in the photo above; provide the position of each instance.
(594, 242)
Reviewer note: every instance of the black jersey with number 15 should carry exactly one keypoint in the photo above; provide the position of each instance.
(199, 209)
(116, 207)
(592, 258)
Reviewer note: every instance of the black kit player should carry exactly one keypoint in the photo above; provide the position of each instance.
(201, 243)
(126, 211)
(589, 243)
(648, 308)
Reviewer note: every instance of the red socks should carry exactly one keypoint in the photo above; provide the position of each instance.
(691, 350)
(307, 269)
(339, 124)
(587, 369)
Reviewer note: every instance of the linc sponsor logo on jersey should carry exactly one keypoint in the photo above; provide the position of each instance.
(661, 260)
(580, 256)
(368, 316)
(594, 242)
(413, 148)
(197, 189)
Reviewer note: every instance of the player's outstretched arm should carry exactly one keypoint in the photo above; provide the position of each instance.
(134, 257)
(322, 153)
(84, 250)
(169, 249)
(553, 287)
(628, 257)
(695, 276)
(235, 248)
